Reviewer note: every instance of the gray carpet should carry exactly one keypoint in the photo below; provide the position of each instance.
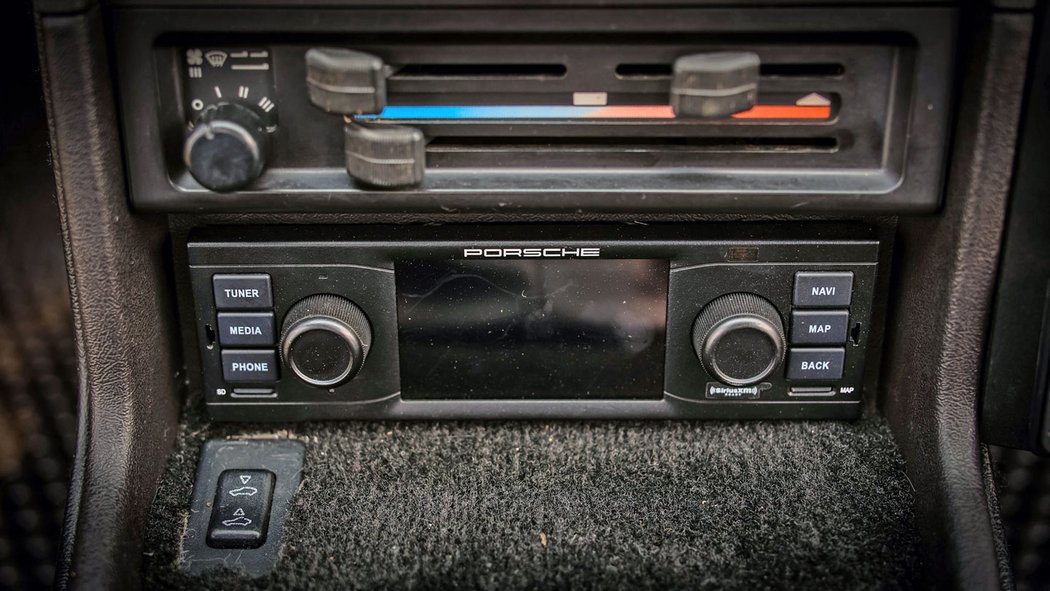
(576, 505)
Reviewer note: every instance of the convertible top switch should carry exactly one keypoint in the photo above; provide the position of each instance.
(240, 515)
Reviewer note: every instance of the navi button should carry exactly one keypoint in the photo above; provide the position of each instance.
(820, 289)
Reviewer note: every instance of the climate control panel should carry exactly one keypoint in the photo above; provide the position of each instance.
(687, 109)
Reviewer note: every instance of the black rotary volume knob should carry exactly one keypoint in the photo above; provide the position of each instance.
(325, 340)
(227, 147)
(739, 337)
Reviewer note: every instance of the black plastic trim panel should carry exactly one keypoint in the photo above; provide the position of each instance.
(283, 458)
(1017, 376)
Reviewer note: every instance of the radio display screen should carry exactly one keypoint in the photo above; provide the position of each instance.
(532, 329)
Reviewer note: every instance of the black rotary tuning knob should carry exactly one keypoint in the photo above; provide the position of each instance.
(227, 147)
(325, 340)
(354, 83)
(714, 85)
(739, 337)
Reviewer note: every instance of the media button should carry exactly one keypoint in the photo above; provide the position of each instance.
(246, 329)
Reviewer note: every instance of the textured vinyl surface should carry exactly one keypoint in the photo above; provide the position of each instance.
(574, 505)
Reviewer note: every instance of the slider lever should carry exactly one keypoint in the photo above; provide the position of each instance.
(354, 83)
(346, 82)
(714, 85)
(385, 155)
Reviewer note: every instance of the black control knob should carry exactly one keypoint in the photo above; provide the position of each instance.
(227, 147)
(325, 340)
(740, 338)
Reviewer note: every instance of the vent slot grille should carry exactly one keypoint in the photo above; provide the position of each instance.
(600, 143)
(611, 152)
(659, 71)
(644, 71)
(475, 71)
(802, 70)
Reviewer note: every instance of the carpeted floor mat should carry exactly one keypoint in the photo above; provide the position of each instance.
(575, 505)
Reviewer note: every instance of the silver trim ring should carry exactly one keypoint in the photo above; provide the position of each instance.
(333, 326)
(738, 322)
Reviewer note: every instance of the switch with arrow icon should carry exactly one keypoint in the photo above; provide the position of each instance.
(241, 511)
(239, 520)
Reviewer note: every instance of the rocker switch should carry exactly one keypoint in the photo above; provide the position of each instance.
(240, 514)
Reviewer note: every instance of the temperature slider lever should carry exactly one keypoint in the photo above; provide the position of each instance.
(714, 85)
(354, 83)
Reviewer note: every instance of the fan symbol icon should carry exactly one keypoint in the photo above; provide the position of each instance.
(194, 57)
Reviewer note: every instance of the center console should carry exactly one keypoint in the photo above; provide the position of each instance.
(558, 112)
(359, 212)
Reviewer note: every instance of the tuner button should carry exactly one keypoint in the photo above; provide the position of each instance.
(714, 85)
(345, 82)
(227, 147)
(325, 340)
(739, 337)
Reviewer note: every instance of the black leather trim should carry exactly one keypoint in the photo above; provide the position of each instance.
(128, 393)
(1002, 552)
(946, 270)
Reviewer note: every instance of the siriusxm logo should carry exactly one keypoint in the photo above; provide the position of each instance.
(531, 253)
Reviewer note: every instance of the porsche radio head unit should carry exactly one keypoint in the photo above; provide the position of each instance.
(580, 323)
